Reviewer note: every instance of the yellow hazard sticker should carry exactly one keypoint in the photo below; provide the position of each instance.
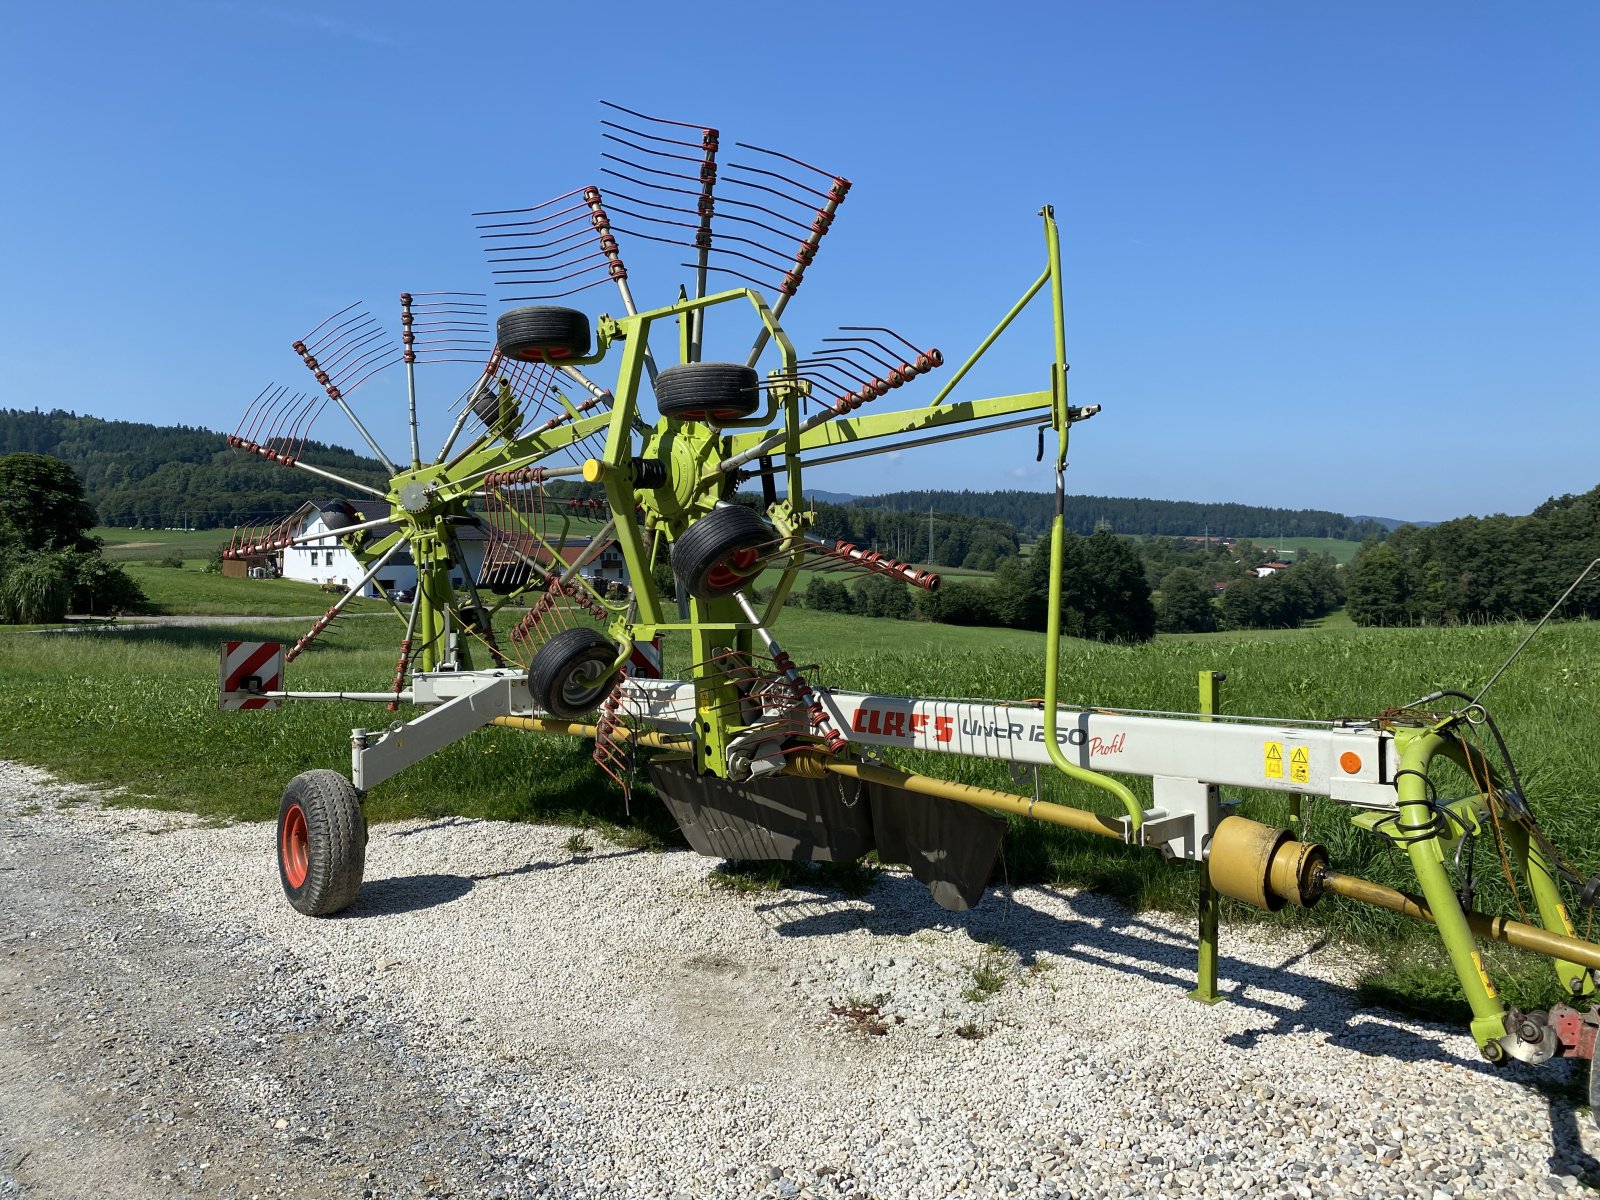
(1300, 765)
(1272, 764)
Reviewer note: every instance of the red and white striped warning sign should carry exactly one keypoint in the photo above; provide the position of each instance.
(248, 669)
(645, 661)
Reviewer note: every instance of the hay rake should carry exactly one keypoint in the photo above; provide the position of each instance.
(749, 751)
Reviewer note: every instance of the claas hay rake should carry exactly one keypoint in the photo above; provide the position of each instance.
(587, 503)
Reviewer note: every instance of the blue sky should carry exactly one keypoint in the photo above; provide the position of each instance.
(1340, 256)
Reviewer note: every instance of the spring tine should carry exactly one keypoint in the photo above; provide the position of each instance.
(282, 422)
(761, 187)
(270, 417)
(568, 258)
(238, 430)
(656, 120)
(786, 158)
(542, 261)
(335, 392)
(338, 332)
(733, 166)
(496, 257)
(335, 317)
(904, 341)
(507, 212)
(763, 284)
(249, 438)
(889, 365)
(308, 417)
(356, 340)
(689, 158)
(534, 229)
(689, 212)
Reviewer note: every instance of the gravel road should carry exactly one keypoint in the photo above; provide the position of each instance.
(503, 1015)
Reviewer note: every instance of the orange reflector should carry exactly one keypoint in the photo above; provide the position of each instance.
(1350, 761)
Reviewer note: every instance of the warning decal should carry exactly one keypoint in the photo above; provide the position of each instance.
(248, 669)
(1300, 765)
(1272, 765)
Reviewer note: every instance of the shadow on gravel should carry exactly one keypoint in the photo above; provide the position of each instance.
(412, 893)
(406, 893)
(442, 823)
(1102, 931)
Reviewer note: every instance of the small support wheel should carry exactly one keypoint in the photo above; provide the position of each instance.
(542, 333)
(321, 842)
(573, 672)
(708, 391)
(721, 552)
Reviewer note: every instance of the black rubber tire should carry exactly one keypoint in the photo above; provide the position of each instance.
(321, 842)
(572, 673)
(721, 552)
(542, 333)
(339, 514)
(708, 391)
(486, 404)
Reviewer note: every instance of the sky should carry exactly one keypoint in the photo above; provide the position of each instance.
(1340, 256)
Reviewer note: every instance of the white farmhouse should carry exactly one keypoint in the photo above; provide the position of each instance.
(323, 559)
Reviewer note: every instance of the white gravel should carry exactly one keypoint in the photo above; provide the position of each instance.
(499, 1016)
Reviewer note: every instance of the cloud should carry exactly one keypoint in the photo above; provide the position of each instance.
(336, 27)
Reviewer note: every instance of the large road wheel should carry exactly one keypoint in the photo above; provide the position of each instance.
(708, 391)
(322, 842)
(721, 552)
(542, 333)
(573, 672)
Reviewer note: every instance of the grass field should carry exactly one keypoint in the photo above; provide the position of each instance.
(1339, 549)
(152, 545)
(138, 710)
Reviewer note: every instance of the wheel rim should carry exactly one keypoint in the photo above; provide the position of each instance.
(294, 846)
(584, 685)
(733, 570)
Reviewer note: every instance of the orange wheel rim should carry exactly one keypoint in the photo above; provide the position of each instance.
(735, 570)
(294, 851)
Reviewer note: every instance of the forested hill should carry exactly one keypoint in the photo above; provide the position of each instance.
(1031, 512)
(163, 475)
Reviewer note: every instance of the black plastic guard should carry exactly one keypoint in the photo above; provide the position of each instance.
(774, 817)
(948, 845)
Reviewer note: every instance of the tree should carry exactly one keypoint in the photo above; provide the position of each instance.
(1378, 588)
(1103, 581)
(880, 596)
(959, 604)
(42, 505)
(1186, 605)
(827, 595)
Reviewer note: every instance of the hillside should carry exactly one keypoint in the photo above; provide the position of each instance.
(156, 476)
(1031, 512)
(175, 475)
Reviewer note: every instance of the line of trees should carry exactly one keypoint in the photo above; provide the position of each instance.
(1477, 569)
(1104, 594)
(1030, 513)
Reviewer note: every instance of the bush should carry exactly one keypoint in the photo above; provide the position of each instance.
(827, 595)
(959, 604)
(173, 560)
(35, 590)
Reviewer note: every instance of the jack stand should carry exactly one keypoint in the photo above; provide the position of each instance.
(1205, 984)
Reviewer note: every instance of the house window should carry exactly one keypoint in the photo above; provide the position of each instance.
(386, 584)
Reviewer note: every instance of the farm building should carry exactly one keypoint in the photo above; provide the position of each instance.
(323, 558)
